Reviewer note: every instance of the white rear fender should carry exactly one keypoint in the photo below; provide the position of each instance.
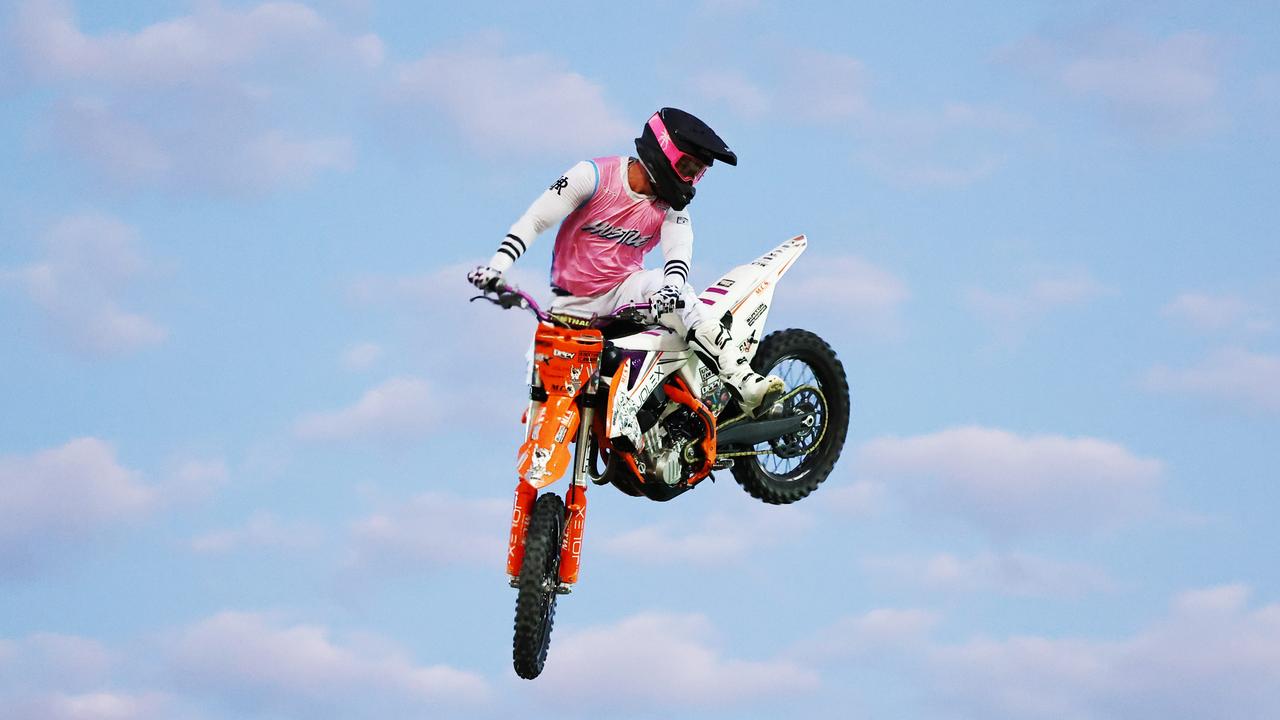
(746, 292)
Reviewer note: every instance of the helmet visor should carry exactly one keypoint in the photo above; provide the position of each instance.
(689, 168)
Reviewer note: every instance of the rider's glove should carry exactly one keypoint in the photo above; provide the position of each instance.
(485, 278)
(664, 299)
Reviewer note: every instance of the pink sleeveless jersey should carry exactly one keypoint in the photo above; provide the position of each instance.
(604, 241)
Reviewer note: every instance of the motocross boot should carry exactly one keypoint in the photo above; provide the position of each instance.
(755, 392)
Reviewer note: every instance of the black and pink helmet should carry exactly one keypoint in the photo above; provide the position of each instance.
(676, 149)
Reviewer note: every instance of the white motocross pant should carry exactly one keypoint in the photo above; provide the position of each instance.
(707, 336)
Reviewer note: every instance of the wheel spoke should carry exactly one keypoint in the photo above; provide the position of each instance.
(795, 373)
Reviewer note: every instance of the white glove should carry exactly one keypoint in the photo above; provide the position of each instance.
(664, 300)
(485, 278)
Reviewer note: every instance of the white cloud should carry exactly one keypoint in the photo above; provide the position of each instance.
(251, 659)
(734, 89)
(89, 263)
(1210, 656)
(487, 372)
(433, 529)
(869, 635)
(682, 649)
(119, 147)
(1009, 573)
(66, 677)
(824, 87)
(500, 103)
(1162, 86)
(64, 494)
(1010, 312)
(397, 410)
(866, 295)
(1231, 376)
(812, 86)
(957, 114)
(862, 497)
(507, 333)
(928, 174)
(180, 51)
(362, 356)
(272, 158)
(218, 148)
(263, 530)
(183, 102)
(1009, 484)
(1216, 313)
(195, 479)
(95, 706)
(46, 659)
(719, 538)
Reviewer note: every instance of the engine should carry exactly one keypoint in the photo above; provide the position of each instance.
(665, 444)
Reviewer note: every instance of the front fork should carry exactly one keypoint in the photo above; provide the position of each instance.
(575, 500)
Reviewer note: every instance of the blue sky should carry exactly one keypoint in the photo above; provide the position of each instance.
(256, 450)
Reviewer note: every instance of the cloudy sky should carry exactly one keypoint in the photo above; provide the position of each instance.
(256, 449)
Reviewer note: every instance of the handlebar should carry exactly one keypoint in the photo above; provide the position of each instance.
(507, 297)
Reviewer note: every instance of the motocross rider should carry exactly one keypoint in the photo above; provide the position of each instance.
(614, 211)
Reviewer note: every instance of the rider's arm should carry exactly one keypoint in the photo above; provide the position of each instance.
(677, 246)
(565, 195)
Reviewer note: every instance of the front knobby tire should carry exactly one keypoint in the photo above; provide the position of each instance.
(539, 576)
(764, 476)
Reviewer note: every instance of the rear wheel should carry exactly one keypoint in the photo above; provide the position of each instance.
(789, 468)
(539, 577)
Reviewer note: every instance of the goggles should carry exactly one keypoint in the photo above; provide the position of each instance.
(689, 168)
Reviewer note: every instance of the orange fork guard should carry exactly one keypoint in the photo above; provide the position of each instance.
(565, 359)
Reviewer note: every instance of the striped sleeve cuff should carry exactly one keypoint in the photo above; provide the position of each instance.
(508, 252)
(676, 272)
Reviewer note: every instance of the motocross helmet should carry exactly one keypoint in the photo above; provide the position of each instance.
(676, 149)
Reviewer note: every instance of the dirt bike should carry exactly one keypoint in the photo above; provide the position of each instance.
(630, 397)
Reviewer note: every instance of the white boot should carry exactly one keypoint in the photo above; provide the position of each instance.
(754, 391)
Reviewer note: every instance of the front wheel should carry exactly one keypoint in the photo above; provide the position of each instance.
(787, 469)
(539, 577)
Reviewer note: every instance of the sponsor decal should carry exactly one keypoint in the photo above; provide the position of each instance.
(764, 260)
(623, 236)
(651, 383)
(538, 467)
(560, 184)
(564, 428)
(563, 354)
(682, 220)
(726, 283)
(755, 314)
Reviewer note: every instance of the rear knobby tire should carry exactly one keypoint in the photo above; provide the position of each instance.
(813, 351)
(539, 576)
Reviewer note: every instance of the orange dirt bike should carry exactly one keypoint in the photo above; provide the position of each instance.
(625, 394)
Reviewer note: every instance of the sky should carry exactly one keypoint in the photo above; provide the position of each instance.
(257, 450)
